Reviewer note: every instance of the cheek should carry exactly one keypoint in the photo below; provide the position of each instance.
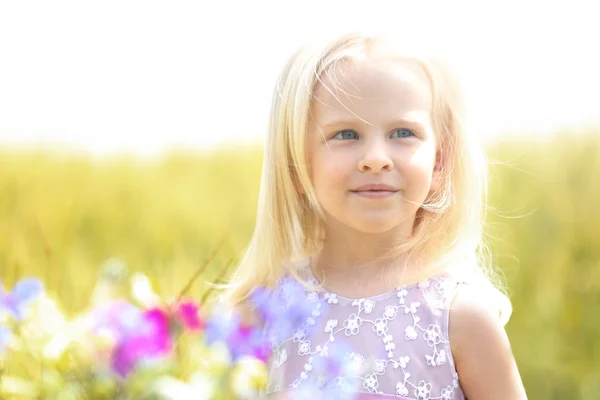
(419, 167)
(329, 174)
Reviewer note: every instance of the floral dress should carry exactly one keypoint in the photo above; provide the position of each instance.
(390, 346)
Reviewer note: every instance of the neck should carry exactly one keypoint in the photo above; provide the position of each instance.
(346, 249)
(354, 257)
(356, 278)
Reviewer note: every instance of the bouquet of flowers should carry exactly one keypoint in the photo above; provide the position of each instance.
(132, 344)
(136, 346)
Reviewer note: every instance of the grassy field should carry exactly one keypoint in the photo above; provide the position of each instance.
(62, 217)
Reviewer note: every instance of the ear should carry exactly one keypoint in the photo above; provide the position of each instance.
(438, 170)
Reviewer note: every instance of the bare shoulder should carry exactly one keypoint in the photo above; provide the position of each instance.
(481, 349)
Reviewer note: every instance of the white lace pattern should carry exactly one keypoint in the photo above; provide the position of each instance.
(399, 343)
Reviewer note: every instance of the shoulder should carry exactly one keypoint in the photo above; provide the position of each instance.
(244, 311)
(480, 347)
(471, 316)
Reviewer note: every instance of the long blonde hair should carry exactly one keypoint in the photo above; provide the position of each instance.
(449, 225)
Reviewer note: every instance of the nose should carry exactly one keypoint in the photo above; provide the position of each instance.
(375, 157)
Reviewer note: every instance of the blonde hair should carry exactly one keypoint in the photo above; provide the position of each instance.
(448, 226)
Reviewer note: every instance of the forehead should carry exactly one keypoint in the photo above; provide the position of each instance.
(373, 88)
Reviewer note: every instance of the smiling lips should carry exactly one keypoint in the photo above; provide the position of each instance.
(376, 191)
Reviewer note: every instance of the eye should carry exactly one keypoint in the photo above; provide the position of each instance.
(404, 133)
(346, 134)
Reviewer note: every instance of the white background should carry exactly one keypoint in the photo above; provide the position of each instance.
(146, 76)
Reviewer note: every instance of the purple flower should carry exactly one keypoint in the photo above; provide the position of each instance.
(151, 341)
(249, 341)
(120, 318)
(221, 327)
(139, 334)
(241, 339)
(23, 293)
(285, 309)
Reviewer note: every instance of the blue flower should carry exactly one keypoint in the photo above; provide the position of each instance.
(285, 309)
(24, 292)
(221, 328)
(250, 341)
(241, 339)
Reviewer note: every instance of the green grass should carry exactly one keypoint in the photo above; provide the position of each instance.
(61, 217)
(546, 239)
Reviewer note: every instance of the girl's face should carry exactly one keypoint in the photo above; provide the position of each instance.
(372, 127)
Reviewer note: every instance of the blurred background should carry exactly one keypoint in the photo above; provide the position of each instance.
(134, 130)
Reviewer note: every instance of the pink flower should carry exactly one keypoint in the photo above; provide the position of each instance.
(152, 340)
(187, 313)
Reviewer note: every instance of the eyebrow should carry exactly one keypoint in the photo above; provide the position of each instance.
(352, 121)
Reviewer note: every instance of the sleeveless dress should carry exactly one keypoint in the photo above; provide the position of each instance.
(390, 346)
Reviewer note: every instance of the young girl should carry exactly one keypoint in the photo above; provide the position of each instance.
(372, 196)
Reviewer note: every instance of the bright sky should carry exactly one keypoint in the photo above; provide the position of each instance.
(145, 76)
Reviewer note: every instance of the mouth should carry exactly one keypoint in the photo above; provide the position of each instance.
(375, 194)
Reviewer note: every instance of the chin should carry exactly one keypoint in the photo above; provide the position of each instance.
(376, 226)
